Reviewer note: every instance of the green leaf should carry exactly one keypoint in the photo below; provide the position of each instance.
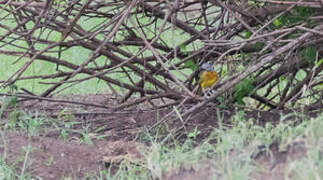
(295, 19)
(243, 89)
(300, 14)
(280, 22)
(13, 88)
(239, 100)
(14, 117)
(319, 63)
(304, 11)
(194, 133)
(247, 34)
(191, 65)
(13, 101)
(182, 47)
(224, 72)
(309, 53)
(251, 3)
(277, 23)
(282, 78)
(261, 4)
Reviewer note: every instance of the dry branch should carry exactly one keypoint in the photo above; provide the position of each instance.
(158, 45)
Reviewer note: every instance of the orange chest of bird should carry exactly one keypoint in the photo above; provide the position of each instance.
(207, 79)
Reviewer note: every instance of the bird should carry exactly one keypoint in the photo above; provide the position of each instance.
(207, 77)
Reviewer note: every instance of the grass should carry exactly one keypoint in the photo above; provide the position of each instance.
(11, 171)
(231, 156)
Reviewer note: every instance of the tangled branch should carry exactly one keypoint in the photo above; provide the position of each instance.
(159, 45)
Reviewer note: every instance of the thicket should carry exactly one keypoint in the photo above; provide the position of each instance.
(268, 50)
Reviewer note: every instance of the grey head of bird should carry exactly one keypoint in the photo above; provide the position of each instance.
(207, 67)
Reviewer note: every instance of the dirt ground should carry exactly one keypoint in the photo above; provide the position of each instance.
(54, 158)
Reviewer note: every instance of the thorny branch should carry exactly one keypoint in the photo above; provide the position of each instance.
(159, 45)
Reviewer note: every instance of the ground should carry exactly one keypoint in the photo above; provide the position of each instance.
(98, 140)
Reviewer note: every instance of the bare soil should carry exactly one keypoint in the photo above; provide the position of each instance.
(53, 157)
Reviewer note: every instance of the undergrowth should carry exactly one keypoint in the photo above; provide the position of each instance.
(232, 156)
(228, 153)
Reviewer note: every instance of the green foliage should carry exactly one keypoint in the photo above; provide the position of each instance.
(182, 48)
(319, 62)
(13, 88)
(231, 156)
(224, 70)
(304, 12)
(243, 89)
(14, 117)
(316, 132)
(13, 101)
(312, 137)
(86, 136)
(10, 101)
(277, 22)
(64, 131)
(193, 134)
(247, 34)
(298, 14)
(31, 124)
(191, 65)
(282, 78)
(309, 53)
(280, 22)
(9, 172)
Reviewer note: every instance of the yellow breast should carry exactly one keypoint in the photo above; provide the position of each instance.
(208, 78)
